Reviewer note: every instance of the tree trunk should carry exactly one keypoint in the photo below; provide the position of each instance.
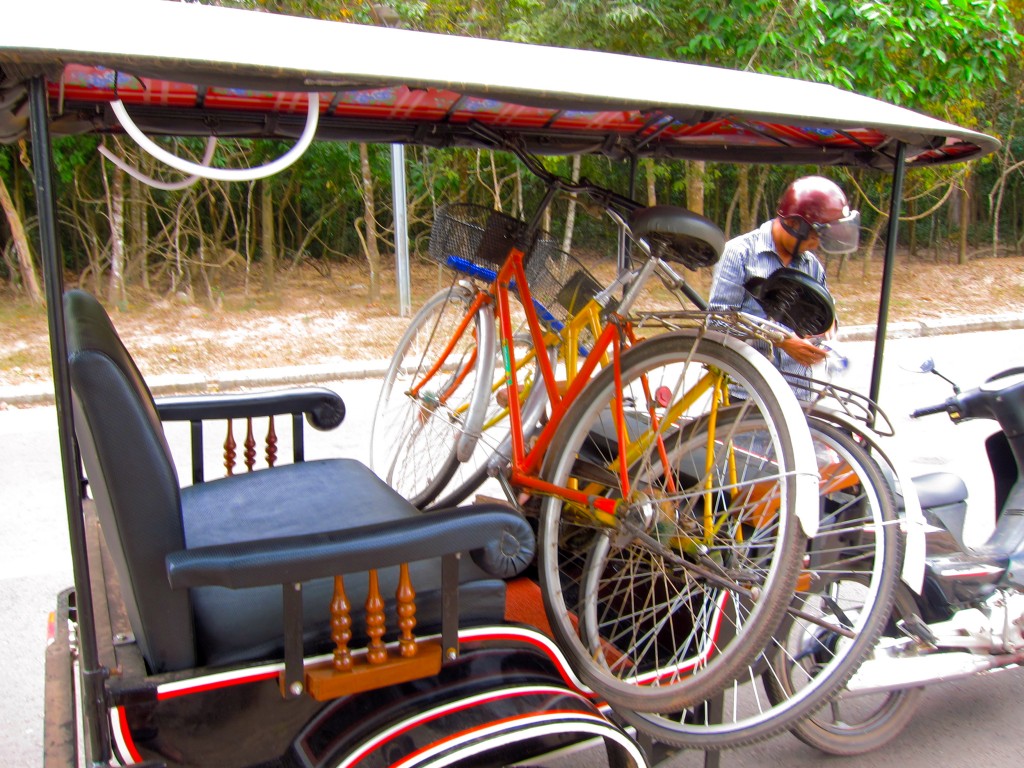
(115, 202)
(743, 190)
(570, 215)
(370, 246)
(695, 186)
(139, 216)
(652, 186)
(876, 233)
(912, 227)
(965, 220)
(267, 245)
(26, 268)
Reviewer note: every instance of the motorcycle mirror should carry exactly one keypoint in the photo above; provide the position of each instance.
(927, 365)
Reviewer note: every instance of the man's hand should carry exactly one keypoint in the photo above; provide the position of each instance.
(803, 351)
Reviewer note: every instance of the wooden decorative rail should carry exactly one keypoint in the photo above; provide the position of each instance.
(380, 664)
(249, 446)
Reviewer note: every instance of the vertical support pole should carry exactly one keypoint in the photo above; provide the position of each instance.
(450, 606)
(93, 675)
(623, 260)
(198, 469)
(298, 439)
(400, 203)
(293, 683)
(715, 710)
(895, 205)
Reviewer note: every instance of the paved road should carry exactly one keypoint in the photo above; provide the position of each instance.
(970, 723)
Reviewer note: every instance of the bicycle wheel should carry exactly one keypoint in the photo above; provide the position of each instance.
(843, 601)
(431, 404)
(658, 607)
(855, 723)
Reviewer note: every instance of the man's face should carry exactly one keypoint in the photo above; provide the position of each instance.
(790, 241)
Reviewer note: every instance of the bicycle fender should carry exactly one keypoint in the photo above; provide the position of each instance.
(477, 413)
(913, 522)
(804, 464)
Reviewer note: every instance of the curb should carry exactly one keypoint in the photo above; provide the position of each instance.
(935, 327)
(41, 393)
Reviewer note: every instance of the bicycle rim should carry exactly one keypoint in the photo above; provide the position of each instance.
(418, 421)
(844, 595)
(660, 608)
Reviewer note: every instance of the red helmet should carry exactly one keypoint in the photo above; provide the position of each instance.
(822, 206)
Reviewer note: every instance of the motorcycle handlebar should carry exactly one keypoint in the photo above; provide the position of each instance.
(928, 410)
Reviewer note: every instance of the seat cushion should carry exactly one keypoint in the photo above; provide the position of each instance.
(245, 625)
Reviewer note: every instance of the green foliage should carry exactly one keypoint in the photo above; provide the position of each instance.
(958, 59)
(918, 53)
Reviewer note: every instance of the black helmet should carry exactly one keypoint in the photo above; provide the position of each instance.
(794, 299)
(818, 204)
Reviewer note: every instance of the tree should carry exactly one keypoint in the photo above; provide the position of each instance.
(26, 267)
(368, 234)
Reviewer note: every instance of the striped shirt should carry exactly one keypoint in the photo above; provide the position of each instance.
(754, 255)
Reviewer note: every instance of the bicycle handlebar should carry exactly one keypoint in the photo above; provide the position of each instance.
(607, 198)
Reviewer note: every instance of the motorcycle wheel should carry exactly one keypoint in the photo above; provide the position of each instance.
(855, 724)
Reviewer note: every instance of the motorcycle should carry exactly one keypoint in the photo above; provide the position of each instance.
(969, 617)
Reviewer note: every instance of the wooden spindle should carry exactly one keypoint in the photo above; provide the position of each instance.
(380, 666)
(229, 450)
(405, 596)
(250, 446)
(271, 443)
(341, 627)
(376, 651)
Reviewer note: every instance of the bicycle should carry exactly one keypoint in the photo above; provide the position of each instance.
(720, 553)
(839, 610)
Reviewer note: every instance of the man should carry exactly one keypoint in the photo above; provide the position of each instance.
(813, 212)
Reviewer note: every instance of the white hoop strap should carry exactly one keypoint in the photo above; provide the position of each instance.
(167, 186)
(224, 174)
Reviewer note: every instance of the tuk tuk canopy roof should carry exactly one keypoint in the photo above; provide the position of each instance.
(185, 69)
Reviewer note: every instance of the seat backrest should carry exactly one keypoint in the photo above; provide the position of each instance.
(132, 479)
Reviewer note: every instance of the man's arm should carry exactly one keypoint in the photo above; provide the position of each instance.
(727, 289)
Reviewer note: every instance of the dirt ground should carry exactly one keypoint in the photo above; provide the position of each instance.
(317, 318)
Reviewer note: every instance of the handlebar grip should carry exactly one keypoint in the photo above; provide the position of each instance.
(929, 410)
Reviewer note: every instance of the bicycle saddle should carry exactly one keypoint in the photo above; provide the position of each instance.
(677, 234)
(795, 299)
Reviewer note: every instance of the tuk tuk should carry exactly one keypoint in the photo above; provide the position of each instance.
(182, 642)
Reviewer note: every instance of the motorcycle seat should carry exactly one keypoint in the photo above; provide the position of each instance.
(938, 489)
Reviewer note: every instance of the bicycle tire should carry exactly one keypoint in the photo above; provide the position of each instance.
(415, 438)
(658, 656)
(854, 560)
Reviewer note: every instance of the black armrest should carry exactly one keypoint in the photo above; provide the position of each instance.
(324, 409)
(476, 528)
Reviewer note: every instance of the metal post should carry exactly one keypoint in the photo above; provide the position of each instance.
(623, 240)
(401, 229)
(895, 205)
(93, 675)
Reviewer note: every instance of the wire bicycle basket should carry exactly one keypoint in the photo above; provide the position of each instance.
(475, 240)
